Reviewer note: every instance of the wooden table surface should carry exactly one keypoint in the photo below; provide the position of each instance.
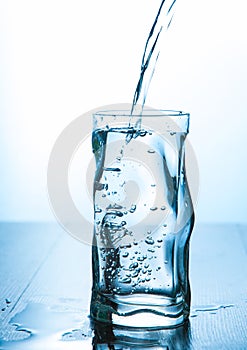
(45, 282)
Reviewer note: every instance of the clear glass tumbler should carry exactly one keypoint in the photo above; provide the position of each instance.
(143, 219)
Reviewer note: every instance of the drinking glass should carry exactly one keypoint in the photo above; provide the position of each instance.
(143, 219)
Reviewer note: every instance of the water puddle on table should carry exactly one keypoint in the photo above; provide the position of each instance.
(212, 309)
(40, 326)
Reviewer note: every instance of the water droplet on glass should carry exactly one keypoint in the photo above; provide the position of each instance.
(153, 208)
(125, 254)
(163, 207)
(151, 150)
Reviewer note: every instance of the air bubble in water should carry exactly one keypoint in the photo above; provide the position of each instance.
(133, 208)
(135, 274)
(128, 245)
(126, 280)
(112, 169)
(133, 265)
(149, 241)
(140, 258)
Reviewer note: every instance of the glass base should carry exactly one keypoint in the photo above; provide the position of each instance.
(139, 310)
(108, 336)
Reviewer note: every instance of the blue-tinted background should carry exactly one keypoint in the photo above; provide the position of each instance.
(60, 59)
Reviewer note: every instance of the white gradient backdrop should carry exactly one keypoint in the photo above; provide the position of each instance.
(59, 59)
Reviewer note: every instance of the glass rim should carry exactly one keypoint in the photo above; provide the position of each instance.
(144, 114)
